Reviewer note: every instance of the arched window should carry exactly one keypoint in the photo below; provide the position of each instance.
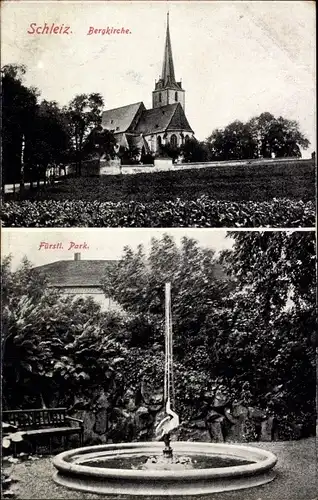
(176, 96)
(159, 142)
(173, 141)
(159, 96)
(187, 138)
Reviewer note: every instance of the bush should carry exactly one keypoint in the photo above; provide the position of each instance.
(200, 212)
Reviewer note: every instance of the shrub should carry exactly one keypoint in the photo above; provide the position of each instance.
(200, 212)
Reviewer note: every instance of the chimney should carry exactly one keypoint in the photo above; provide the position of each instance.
(77, 256)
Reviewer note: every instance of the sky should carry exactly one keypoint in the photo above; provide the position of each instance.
(235, 59)
(103, 244)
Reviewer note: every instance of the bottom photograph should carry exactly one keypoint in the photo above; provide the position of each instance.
(158, 363)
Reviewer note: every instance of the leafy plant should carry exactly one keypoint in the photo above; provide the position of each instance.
(201, 212)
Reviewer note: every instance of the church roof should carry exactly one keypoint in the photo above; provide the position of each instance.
(121, 119)
(169, 117)
(64, 273)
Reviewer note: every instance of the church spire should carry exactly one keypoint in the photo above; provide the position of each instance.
(167, 67)
(167, 89)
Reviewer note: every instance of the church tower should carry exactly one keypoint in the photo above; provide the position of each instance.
(167, 90)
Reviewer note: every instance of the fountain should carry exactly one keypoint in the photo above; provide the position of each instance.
(177, 469)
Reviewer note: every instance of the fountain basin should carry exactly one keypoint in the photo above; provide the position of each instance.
(74, 472)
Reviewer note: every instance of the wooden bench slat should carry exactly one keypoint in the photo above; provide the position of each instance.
(53, 430)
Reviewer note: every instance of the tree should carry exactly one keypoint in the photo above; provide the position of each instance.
(198, 287)
(49, 142)
(268, 350)
(100, 142)
(277, 136)
(235, 142)
(18, 113)
(195, 151)
(84, 113)
(34, 134)
(54, 347)
(169, 151)
(262, 136)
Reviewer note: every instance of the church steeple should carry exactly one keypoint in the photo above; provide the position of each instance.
(167, 74)
(167, 89)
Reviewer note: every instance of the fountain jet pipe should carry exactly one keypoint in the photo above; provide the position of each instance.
(171, 420)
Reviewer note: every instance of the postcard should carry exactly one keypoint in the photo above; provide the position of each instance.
(159, 362)
(158, 114)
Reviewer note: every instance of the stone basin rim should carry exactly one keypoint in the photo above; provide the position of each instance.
(262, 461)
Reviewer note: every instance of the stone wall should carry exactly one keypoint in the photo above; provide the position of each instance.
(277, 166)
(134, 416)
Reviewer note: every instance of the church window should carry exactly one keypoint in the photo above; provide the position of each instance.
(187, 138)
(176, 96)
(159, 96)
(173, 140)
(159, 141)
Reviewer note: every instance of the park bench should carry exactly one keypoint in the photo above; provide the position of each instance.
(36, 424)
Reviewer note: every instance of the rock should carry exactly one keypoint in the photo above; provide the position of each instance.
(196, 435)
(121, 426)
(102, 401)
(101, 422)
(216, 428)
(267, 427)
(151, 396)
(129, 400)
(143, 419)
(256, 414)
(88, 423)
(237, 432)
(212, 415)
(221, 398)
(239, 411)
(198, 424)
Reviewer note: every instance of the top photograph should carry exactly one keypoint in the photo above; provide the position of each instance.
(158, 114)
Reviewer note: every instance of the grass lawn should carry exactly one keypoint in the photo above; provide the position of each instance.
(239, 183)
(296, 478)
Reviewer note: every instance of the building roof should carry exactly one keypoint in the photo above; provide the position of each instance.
(83, 273)
(159, 119)
(121, 119)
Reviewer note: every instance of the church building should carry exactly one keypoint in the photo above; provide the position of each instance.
(147, 130)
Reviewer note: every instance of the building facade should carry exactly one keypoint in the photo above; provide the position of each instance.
(148, 130)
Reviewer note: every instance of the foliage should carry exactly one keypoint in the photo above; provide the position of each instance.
(169, 151)
(201, 212)
(195, 151)
(248, 335)
(137, 283)
(14, 437)
(38, 134)
(260, 137)
(34, 133)
(84, 113)
(234, 142)
(48, 141)
(18, 111)
(100, 142)
(242, 324)
(55, 346)
(268, 347)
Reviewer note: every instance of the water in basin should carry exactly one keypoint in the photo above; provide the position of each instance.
(159, 462)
